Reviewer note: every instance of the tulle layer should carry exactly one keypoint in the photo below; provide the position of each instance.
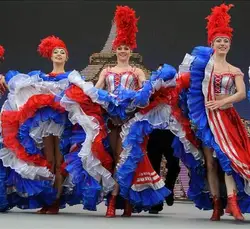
(157, 102)
(31, 107)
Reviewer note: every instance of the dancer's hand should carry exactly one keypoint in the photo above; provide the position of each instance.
(215, 104)
(3, 85)
(73, 148)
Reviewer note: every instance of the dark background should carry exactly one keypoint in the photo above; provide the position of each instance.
(167, 30)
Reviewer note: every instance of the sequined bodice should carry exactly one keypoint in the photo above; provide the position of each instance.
(224, 84)
(127, 80)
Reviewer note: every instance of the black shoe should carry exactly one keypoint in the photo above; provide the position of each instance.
(156, 209)
(153, 212)
(170, 199)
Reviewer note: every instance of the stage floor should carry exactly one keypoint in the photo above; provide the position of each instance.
(181, 215)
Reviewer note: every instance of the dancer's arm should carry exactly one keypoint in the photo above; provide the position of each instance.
(240, 88)
(101, 81)
(3, 85)
(141, 76)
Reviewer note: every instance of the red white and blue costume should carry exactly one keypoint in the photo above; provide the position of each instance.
(30, 113)
(33, 111)
(154, 106)
(222, 129)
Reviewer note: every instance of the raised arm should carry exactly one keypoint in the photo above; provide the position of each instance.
(101, 81)
(3, 85)
(141, 76)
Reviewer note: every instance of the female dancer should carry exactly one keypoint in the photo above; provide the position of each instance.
(122, 76)
(54, 49)
(135, 107)
(214, 86)
(32, 123)
(138, 184)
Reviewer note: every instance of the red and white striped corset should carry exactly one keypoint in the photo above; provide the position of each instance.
(224, 84)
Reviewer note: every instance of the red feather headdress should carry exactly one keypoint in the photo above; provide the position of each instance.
(126, 27)
(2, 50)
(218, 23)
(48, 44)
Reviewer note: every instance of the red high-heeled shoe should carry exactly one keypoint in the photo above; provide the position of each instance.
(43, 210)
(54, 208)
(233, 207)
(218, 211)
(111, 207)
(127, 210)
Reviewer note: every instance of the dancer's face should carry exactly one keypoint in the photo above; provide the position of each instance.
(221, 45)
(123, 53)
(59, 56)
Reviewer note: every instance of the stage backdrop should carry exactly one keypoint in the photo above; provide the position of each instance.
(167, 30)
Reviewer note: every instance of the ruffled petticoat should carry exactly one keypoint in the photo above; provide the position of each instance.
(33, 111)
(156, 106)
(231, 148)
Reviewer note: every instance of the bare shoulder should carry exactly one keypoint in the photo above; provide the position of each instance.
(139, 71)
(235, 70)
(2, 77)
(101, 79)
(104, 71)
(141, 75)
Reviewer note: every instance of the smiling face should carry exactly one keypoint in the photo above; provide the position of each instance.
(221, 45)
(123, 53)
(59, 56)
